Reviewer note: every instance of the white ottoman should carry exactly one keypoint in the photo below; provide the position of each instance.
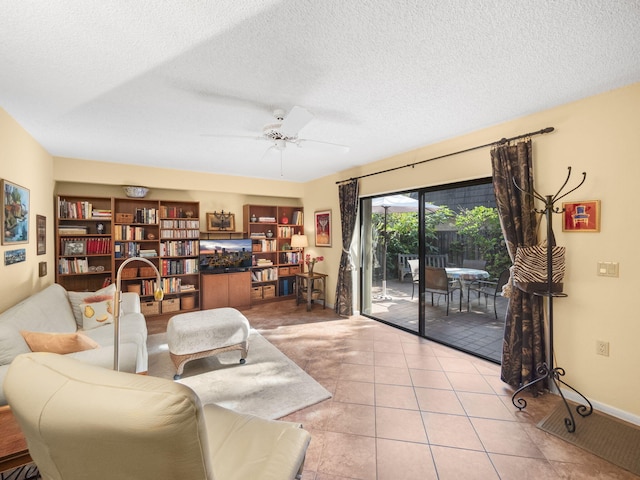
(207, 332)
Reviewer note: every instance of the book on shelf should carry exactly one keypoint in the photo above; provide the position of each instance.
(297, 218)
(267, 219)
(148, 253)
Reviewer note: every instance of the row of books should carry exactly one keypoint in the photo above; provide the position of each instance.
(169, 285)
(188, 248)
(265, 246)
(146, 215)
(70, 246)
(287, 231)
(128, 232)
(195, 233)
(264, 275)
(77, 265)
(81, 210)
(297, 218)
(179, 267)
(174, 212)
(180, 224)
(126, 249)
(291, 257)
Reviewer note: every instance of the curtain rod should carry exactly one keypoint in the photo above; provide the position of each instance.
(502, 141)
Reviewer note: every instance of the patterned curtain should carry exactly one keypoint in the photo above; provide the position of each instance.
(348, 195)
(523, 347)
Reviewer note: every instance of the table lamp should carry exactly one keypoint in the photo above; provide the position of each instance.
(299, 241)
(158, 295)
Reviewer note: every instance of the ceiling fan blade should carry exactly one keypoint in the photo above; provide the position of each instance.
(251, 137)
(328, 146)
(297, 118)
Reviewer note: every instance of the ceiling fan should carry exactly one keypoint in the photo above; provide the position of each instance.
(285, 131)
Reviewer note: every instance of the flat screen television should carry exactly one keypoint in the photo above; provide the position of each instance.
(225, 255)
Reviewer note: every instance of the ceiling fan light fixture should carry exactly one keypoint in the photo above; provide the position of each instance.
(281, 144)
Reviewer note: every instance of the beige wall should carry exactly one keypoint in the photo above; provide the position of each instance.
(24, 162)
(596, 135)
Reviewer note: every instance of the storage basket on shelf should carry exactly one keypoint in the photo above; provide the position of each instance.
(170, 305)
(124, 217)
(150, 308)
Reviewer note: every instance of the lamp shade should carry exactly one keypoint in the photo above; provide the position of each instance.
(299, 241)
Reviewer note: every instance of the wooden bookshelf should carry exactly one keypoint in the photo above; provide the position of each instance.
(95, 235)
(275, 264)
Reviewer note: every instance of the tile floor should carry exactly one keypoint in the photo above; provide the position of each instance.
(406, 408)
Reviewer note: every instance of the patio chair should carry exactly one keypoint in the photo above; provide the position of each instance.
(414, 265)
(439, 261)
(436, 282)
(488, 289)
(475, 264)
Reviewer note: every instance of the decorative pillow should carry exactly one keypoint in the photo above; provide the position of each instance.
(61, 343)
(77, 298)
(98, 313)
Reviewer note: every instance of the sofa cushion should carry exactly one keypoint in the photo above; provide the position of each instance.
(78, 298)
(12, 343)
(95, 314)
(61, 343)
(45, 311)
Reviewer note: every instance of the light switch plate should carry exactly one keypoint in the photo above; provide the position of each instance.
(608, 269)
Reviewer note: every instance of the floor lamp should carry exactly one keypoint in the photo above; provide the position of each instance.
(158, 295)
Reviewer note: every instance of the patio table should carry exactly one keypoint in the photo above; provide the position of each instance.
(463, 275)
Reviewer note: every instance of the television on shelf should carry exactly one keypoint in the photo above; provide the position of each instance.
(225, 255)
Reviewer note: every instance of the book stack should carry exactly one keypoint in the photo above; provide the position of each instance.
(267, 219)
(264, 262)
(148, 253)
(101, 213)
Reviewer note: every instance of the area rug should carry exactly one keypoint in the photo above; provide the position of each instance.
(603, 435)
(268, 385)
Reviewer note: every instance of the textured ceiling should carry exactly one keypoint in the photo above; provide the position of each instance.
(155, 82)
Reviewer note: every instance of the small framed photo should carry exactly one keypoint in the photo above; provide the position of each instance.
(322, 222)
(220, 221)
(15, 213)
(74, 248)
(581, 216)
(41, 234)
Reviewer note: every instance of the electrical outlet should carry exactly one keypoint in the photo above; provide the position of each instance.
(602, 348)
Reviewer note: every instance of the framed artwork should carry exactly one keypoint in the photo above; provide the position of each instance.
(15, 213)
(74, 248)
(581, 216)
(220, 221)
(41, 234)
(322, 222)
(15, 256)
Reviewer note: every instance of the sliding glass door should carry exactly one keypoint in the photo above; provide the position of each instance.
(449, 235)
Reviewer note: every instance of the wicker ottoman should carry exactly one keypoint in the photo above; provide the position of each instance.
(207, 332)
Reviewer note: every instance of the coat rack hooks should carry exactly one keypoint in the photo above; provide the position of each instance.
(548, 370)
(550, 200)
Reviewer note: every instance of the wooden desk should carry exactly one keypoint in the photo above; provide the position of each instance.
(311, 286)
(13, 446)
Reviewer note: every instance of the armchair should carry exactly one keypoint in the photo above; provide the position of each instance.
(83, 421)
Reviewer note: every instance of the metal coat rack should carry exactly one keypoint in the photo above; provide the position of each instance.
(548, 370)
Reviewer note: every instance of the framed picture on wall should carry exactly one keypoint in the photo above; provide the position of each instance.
(15, 213)
(581, 216)
(220, 221)
(41, 234)
(322, 222)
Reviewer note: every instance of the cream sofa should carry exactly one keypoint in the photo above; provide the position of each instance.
(52, 310)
